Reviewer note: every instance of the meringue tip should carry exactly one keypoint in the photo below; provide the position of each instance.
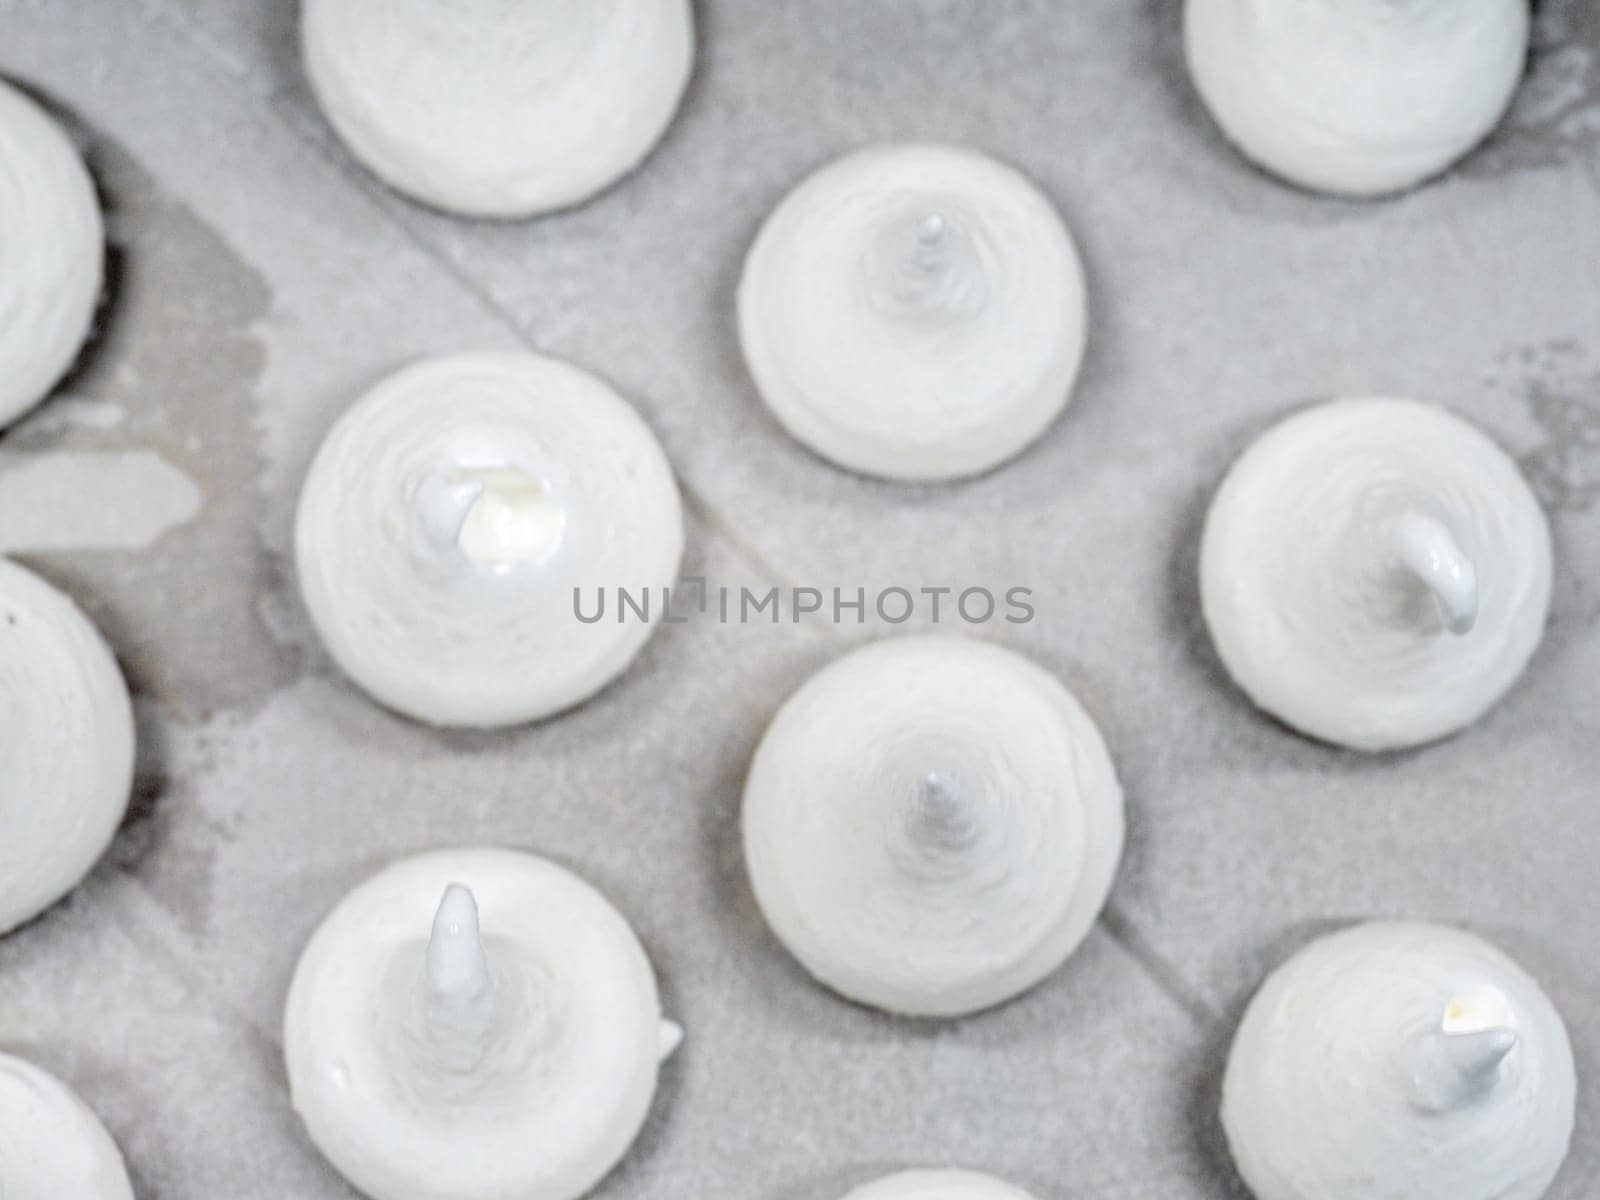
(457, 966)
(940, 814)
(510, 520)
(1426, 548)
(671, 1038)
(1459, 1061)
(1476, 1055)
(931, 231)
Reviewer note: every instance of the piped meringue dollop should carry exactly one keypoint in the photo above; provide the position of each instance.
(452, 514)
(66, 745)
(1356, 97)
(1375, 572)
(1399, 1061)
(52, 1147)
(475, 1022)
(914, 311)
(931, 1184)
(499, 108)
(52, 252)
(932, 824)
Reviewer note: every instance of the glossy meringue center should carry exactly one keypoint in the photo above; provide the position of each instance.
(499, 518)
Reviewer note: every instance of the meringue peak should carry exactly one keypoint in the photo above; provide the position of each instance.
(457, 967)
(1425, 547)
(1451, 1070)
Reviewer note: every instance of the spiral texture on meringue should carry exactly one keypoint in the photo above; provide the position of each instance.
(931, 825)
(1399, 1061)
(1375, 572)
(51, 1145)
(931, 1184)
(1356, 97)
(499, 108)
(914, 311)
(66, 745)
(51, 255)
(475, 1022)
(451, 516)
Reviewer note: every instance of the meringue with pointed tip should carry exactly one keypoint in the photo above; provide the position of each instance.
(1375, 572)
(931, 825)
(931, 1184)
(499, 108)
(1399, 1061)
(1356, 97)
(52, 1146)
(52, 254)
(476, 1022)
(914, 311)
(66, 745)
(451, 519)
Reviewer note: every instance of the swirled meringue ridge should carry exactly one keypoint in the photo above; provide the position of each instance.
(1375, 572)
(450, 516)
(51, 256)
(66, 745)
(931, 825)
(914, 311)
(51, 1145)
(1399, 1061)
(938, 1184)
(1356, 97)
(474, 1022)
(499, 108)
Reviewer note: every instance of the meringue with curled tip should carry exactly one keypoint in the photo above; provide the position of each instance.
(499, 108)
(1375, 572)
(52, 257)
(931, 825)
(450, 519)
(914, 312)
(66, 745)
(475, 1022)
(52, 1146)
(931, 1184)
(1356, 97)
(1399, 1061)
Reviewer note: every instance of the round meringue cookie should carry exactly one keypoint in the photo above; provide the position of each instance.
(1356, 97)
(1375, 572)
(927, 1184)
(66, 746)
(1399, 1061)
(450, 519)
(475, 1022)
(51, 1145)
(932, 825)
(914, 312)
(51, 255)
(499, 109)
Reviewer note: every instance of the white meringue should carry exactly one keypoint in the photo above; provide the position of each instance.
(499, 108)
(66, 745)
(51, 255)
(1399, 1061)
(928, 1184)
(52, 1147)
(452, 514)
(1356, 97)
(513, 1062)
(914, 312)
(1375, 572)
(932, 825)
